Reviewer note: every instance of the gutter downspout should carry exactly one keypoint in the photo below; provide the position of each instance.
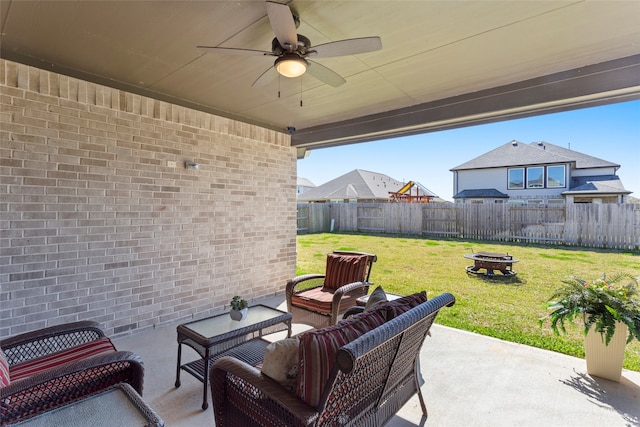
(455, 183)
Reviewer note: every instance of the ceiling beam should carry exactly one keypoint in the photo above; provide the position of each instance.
(605, 83)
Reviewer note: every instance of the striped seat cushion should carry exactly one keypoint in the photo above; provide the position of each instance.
(31, 367)
(4, 370)
(319, 300)
(344, 269)
(318, 352)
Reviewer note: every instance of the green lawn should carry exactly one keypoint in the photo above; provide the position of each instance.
(505, 308)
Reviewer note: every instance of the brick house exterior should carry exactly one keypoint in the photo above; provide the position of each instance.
(101, 220)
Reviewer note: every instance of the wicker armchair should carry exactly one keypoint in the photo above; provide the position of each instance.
(61, 383)
(371, 379)
(319, 299)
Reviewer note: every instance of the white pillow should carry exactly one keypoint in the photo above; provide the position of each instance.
(281, 362)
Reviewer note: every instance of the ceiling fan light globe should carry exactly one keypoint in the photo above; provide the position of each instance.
(291, 66)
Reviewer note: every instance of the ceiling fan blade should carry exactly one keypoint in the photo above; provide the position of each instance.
(234, 51)
(347, 47)
(265, 78)
(324, 74)
(283, 25)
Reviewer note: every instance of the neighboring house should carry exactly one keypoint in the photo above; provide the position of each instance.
(537, 173)
(303, 185)
(358, 186)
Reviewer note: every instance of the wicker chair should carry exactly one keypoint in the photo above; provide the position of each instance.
(61, 383)
(319, 299)
(372, 378)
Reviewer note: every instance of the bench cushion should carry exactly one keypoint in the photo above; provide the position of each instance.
(4, 370)
(318, 352)
(344, 269)
(31, 367)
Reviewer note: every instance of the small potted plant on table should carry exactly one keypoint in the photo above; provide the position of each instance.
(610, 310)
(239, 308)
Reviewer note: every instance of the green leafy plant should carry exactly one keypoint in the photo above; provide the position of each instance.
(600, 303)
(238, 303)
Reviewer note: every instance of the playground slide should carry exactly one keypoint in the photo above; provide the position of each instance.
(406, 188)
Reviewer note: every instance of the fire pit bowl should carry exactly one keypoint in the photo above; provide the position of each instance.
(491, 263)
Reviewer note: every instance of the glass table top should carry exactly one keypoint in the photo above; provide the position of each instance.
(112, 407)
(222, 323)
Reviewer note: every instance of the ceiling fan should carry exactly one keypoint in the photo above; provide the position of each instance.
(292, 50)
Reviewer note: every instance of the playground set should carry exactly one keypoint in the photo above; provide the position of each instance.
(405, 194)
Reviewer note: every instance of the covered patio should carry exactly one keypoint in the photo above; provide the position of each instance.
(145, 182)
(470, 380)
(140, 169)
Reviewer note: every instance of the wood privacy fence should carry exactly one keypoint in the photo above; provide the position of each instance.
(614, 226)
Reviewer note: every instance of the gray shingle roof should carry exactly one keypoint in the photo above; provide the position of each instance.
(613, 186)
(516, 153)
(305, 182)
(481, 193)
(583, 161)
(357, 184)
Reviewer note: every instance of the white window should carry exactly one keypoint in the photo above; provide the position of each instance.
(555, 202)
(534, 202)
(555, 176)
(535, 177)
(516, 179)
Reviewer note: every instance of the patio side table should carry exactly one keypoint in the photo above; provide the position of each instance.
(219, 336)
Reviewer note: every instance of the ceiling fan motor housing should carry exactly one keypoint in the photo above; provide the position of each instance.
(303, 46)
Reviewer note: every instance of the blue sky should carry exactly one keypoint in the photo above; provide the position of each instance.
(609, 132)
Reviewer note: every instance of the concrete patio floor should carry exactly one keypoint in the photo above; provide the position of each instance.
(470, 380)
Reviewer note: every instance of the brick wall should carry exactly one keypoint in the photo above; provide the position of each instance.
(98, 224)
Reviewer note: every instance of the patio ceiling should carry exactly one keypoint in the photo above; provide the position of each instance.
(443, 64)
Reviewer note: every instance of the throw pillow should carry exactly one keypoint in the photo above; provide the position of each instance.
(281, 362)
(4, 370)
(402, 305)
(344, 269)
(377, 296)
(318, 352)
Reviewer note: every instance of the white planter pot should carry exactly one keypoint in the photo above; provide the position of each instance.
(605, 361)
(238, 315)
